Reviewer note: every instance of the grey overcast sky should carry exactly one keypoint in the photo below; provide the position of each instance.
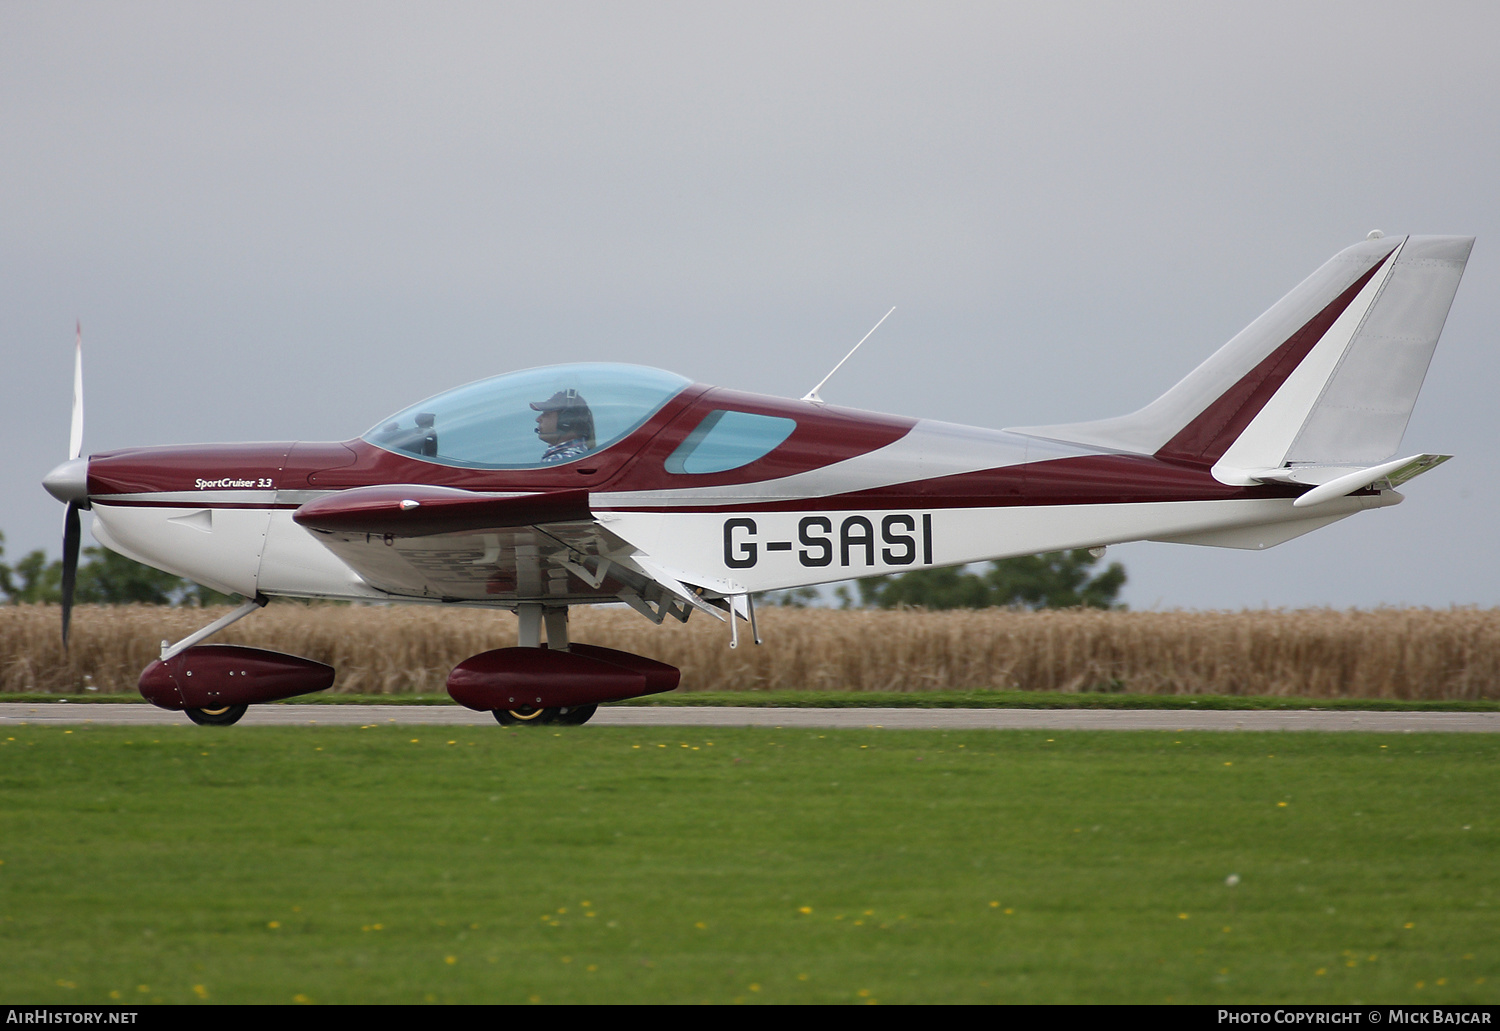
(285, 221)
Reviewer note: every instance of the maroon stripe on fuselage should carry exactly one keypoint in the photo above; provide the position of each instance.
(1207, 437)
(1083, 480)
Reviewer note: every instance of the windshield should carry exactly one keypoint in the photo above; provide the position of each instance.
(530, 419)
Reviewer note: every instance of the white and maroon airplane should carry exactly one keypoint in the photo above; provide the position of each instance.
(672, 496)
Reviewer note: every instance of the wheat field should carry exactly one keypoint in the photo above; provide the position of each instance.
(1383, 653)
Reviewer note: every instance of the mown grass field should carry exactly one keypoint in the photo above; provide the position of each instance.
(377, 865)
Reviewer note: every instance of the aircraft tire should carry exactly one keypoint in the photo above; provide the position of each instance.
(221, 717)
(575, 715)
(521, 717)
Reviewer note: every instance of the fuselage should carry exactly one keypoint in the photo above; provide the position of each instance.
(839, 494)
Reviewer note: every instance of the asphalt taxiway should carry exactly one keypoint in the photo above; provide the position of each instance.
(111, 714)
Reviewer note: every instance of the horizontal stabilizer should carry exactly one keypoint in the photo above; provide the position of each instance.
(1386, 476)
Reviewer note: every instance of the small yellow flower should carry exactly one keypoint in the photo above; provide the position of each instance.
(274, 924)
(200, 991)
(805, 909)
(450, 960)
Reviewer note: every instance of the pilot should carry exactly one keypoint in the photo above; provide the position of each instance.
(566, 425)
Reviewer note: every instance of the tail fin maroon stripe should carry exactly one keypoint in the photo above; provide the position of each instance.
(1204, 440)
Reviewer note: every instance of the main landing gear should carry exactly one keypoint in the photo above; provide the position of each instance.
(553, 684)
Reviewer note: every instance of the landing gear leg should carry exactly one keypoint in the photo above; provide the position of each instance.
(554, 619)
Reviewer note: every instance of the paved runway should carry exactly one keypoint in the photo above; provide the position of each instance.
(13, 713)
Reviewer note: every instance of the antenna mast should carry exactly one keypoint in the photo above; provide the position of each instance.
(812, 395)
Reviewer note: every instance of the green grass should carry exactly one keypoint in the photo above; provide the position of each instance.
(909, 700)
(385, 865)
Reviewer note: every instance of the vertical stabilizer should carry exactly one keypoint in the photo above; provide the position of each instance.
(1327, 377)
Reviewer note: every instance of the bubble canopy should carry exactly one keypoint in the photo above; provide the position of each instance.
(491, 424)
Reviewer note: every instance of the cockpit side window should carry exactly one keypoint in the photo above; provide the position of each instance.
(531, 419)
(726, 440)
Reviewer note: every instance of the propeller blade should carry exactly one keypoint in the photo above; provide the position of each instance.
(72, 530)
(75, 437)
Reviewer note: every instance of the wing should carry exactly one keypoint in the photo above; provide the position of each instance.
(442, 543)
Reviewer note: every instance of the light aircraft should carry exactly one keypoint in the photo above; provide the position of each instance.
(582, 484)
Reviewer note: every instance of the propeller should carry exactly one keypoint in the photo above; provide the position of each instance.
(72, 530)
(69, 483)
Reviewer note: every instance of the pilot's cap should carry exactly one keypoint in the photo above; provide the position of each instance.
(560, 401)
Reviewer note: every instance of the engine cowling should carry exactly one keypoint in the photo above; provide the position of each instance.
(511, 678)
(211, 676)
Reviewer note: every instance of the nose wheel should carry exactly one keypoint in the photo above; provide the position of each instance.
(220, 717)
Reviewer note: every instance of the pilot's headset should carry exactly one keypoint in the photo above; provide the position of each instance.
(575, 418)
(573, 415)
